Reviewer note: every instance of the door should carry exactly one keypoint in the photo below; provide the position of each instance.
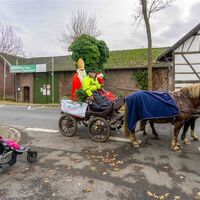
(26, 94)
(43, 88)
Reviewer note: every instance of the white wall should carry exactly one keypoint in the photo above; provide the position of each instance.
(187, 49)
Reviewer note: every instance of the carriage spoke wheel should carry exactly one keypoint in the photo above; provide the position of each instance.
(99, 129)
(67, 125)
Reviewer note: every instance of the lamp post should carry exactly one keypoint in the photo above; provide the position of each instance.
(4, 80)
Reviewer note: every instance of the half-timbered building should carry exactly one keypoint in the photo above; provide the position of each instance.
(185, 56)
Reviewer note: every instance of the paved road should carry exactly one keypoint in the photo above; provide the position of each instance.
(77, 168)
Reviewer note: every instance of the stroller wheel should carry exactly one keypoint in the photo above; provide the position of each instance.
(32, 156)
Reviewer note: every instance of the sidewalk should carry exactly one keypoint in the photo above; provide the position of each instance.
(8, 102)
(10, 133)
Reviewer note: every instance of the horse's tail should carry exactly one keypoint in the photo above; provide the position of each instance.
(126, 131)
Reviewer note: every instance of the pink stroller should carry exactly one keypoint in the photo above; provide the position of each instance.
(10, 149)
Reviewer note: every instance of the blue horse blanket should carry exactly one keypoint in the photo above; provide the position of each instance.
(148, 105)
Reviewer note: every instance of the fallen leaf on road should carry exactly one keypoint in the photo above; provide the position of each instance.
(87, 190)
(119, 162)
(149, 193)
(177, 197)
(93, 168)
(91, 181)
(161, 197)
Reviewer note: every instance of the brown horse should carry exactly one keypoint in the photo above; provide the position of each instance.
(187, 100)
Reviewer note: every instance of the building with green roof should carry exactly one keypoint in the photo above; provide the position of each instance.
(37, 86)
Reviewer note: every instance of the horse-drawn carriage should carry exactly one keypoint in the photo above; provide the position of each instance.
(99, 123)
(180, 106)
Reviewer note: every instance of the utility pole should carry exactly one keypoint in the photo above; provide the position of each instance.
(4, 76)
(4, 80)
(52, 78)
(16, 84)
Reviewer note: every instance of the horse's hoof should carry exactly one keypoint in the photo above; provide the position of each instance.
(175, 148)
(156, 137)
(136, 145)
(186, 141)
(195, 139)
(139, 142)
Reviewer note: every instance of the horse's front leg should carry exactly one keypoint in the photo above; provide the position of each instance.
(134, 141)
(175, 145)
(185, 129)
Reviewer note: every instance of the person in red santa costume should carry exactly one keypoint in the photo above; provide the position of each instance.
(78, 78)
(109, 95)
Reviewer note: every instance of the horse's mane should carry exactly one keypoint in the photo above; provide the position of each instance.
(193, 90)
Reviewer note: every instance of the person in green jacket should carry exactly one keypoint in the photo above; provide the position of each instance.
(90, 84)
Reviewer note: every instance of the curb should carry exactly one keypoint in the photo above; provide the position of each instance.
(28, 104)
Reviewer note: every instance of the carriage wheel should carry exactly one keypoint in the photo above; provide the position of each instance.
(67, 125)
(99, 129)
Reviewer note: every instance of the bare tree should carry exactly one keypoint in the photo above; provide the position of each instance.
(80, 23)
(144, 12)
(9, 42)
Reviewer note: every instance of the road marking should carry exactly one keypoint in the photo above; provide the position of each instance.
(2, 106)
(56, 131)
(119, 139)
(34, 108)
(41, 129)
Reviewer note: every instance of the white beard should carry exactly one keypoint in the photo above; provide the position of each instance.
(81, 74)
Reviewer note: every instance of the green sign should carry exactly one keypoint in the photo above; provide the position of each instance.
(22, 68)
(28, 68)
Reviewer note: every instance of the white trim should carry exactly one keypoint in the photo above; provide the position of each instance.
(119, 139)
(41, 129)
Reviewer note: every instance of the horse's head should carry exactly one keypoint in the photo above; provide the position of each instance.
(192, 92)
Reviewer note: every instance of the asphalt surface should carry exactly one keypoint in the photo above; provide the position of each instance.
(77, 168)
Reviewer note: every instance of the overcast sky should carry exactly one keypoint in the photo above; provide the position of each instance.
(41, 22)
